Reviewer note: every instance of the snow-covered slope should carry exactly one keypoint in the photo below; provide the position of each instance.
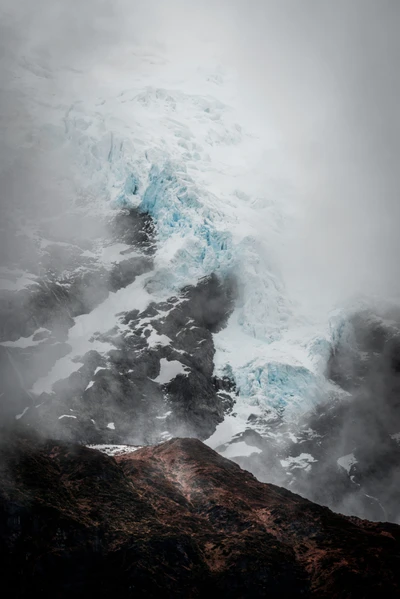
(173, 143)
(145, 297)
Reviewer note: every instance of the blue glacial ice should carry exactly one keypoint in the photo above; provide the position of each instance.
(182, 167)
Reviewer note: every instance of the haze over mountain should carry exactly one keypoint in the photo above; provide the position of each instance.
(199, 237)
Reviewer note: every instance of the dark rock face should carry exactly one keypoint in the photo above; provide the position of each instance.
(346, 453)
(157, 381)
(126, 392)
(175, 520)
(68, 283)
(363, 428)
(124, 395)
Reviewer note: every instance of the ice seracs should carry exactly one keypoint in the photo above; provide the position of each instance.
(173, 141)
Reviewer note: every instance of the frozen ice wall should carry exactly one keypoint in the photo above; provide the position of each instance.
(175, 112)
(188, 160)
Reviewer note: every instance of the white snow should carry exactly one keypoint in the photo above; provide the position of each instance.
(155, 338)
(347, 461)
(236, 423)
(114, 450)
(66, 416)
(84, 335)
(164, 415)
(155, 129)
(169, 369)
(284, 371)
(89, 385)
(239, 449)
(303, 461)
(99, 368)
(24, 342)
(111, 426)
(18, 416)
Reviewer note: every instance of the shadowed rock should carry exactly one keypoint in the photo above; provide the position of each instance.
(175, 520)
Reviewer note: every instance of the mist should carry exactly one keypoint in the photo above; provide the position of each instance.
(321, 76)
(325, 75)
(317, 82)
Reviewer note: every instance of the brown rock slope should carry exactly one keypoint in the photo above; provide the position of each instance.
(175, 520)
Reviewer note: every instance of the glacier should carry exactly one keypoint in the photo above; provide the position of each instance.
(190, 172)
(185, 224)
(178, 149)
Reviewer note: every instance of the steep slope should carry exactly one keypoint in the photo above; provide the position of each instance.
(345, 453)
(165, 147)
(141, 295)
(177, 520)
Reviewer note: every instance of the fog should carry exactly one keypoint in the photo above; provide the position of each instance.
(322, 75)
(321, 78)
(326, 74)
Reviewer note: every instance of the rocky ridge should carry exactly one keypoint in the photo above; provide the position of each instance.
(175, 520)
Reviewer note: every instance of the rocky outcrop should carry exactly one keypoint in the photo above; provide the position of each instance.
(345, 453)
(175, 520)
(130, 395)
(157, 379)
(357, 440)
(66, 281)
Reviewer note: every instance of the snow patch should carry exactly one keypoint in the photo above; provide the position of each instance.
(18, 416)
(24, 342)
(239, 449)
(347, 461)
(114, 450)
(85, 335)
(169, 369)
(303, 461)
(164, 416)
(99, 368)
(155, 338)
(167, 146)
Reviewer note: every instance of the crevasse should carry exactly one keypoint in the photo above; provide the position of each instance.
(182, 158)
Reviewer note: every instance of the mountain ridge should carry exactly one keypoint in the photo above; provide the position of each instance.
(176, 519)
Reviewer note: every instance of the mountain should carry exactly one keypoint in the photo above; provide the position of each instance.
(141, 290)
(178, 520)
